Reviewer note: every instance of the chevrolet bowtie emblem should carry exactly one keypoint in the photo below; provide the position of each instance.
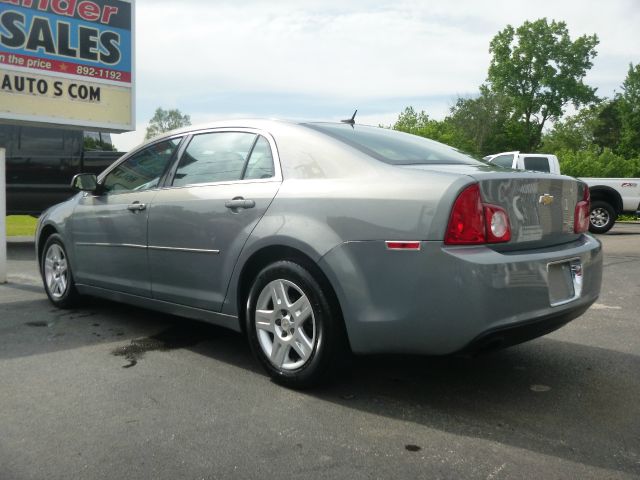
(546, 199)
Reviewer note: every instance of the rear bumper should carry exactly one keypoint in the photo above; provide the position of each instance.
(441, 300)
(514, 334)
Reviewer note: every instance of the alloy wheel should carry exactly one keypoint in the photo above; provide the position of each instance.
(285, 324)
(56, 272)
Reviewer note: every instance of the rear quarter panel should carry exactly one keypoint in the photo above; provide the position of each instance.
(315, 215)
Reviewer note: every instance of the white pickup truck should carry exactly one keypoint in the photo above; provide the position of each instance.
(609, 196)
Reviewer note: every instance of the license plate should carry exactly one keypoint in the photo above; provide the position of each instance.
(564, 280)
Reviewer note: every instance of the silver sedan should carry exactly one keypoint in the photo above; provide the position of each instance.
(321, 239)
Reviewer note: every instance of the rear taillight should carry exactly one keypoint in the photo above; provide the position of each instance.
(498, 227)
(581, 215)
(473, 222)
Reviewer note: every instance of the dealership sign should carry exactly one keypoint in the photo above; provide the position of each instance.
(67, 62)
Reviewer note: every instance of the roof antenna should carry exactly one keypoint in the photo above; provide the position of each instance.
(351, 121)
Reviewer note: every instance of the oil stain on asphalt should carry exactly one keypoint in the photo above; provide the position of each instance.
(170, 339)
(37, 324)
(412, 448)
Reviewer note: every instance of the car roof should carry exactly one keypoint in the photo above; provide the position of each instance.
(266, 124)
(259, 123)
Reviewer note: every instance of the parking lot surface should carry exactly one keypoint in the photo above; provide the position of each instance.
(110, 391)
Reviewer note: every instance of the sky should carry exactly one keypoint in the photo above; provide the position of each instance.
(320, 60)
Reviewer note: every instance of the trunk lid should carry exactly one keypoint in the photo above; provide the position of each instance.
(540, 206)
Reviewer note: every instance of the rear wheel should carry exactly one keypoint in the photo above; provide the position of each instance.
(602, 217)
(294, 326)
(56, 274)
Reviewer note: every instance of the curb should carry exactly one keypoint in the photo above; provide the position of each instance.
(21, 239)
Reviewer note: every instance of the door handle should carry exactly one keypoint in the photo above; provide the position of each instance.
(137, 206)
(238, 203)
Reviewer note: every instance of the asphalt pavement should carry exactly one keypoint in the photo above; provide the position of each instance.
(108, 391)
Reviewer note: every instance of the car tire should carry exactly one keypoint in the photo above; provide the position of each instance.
(56, 274)
(601, 217)
(294, 326)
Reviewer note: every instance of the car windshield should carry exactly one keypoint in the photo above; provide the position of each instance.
(393, 147)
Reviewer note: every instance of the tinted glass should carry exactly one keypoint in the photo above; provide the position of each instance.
(48, 140)
(40, 141)
(214, 157)
(97, 141)
(538, 164)
(7, 135)
(261, 161)
(391, 146)
(505, 161)
(143, 170)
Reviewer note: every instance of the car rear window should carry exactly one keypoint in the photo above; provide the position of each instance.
(537, 164)
(393, 147)
(505, 161)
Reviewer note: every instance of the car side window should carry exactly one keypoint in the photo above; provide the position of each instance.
(260, 163)
(505, 161)
(214, 157)
(141, 171)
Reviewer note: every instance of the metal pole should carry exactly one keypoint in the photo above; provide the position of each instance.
(3, 219)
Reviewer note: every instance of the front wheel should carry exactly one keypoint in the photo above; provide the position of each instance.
(602, 217)
(56, 274)
(294, 325)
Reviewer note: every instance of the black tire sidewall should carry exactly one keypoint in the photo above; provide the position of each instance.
(612, 217)
(327, 328)
(70, 295)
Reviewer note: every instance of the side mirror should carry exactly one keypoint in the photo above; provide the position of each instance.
(85, 182)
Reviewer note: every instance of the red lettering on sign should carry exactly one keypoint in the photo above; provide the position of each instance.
(86, 9)
(63, 7)
(107, 12)
(89, 11)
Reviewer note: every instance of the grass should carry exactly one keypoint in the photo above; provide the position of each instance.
(21, 225)
(627, 218)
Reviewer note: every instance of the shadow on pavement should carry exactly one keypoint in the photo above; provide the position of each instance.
(617, 233)
(561, 399)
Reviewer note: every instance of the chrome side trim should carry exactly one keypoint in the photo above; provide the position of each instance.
(178, 249)
(127, 245)
(150, 247)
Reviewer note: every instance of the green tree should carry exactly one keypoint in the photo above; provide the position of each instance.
(611, 124)
(608, 125)
(410, 121)
(487, 123)
(541, 70)
(419, 123)
(629, 109)
(576, 132)
(595, 163)
(166, 120)
(479, 125)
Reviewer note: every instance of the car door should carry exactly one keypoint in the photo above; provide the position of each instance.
(219, 190)
(109, 228)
